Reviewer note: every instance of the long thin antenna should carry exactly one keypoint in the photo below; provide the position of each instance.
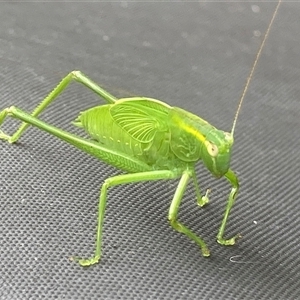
(253, 68)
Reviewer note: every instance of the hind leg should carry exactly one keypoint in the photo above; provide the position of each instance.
(75, 75)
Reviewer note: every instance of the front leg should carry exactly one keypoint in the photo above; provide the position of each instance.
(201, 200)
(233, 193)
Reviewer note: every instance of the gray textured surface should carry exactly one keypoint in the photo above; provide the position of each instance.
(196, 56)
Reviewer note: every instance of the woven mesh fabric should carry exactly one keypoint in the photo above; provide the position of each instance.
(193, 55)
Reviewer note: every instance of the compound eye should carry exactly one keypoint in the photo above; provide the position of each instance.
(212, 149)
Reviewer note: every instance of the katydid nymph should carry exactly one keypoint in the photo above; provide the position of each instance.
(148, 140)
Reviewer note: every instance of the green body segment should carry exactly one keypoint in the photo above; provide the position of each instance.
(147, 139)
(107, 124)
(161, 136)
(194, 139)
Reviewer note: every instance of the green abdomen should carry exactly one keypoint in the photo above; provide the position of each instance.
(102, 128)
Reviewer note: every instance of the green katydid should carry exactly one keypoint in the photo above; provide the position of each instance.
(149, 140)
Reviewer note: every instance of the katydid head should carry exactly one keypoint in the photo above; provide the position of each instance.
(216, 152)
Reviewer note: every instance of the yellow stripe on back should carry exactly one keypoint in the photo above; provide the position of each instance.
(190, 129)
(194, 132)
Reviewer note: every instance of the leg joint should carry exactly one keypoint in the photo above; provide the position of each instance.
(76, 73)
